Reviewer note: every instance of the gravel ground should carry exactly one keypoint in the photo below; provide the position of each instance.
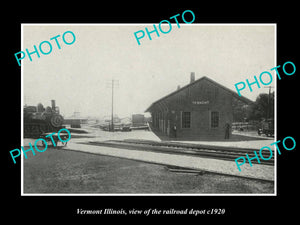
(55, 171)
(60, 171)
(259, 171)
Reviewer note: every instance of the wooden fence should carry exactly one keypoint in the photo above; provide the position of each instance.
(246, 126)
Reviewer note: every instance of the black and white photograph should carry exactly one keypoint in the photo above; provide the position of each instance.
(109, 111)
(150, 112)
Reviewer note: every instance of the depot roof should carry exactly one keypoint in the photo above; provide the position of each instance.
(241, 98)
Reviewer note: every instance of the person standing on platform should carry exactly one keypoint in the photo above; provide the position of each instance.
(227, 130)
(175, 131)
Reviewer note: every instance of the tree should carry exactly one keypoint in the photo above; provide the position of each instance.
(240, 110)
(263, 107)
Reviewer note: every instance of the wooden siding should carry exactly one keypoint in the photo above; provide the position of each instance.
(200, 99)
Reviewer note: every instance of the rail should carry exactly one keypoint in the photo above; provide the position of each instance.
(216, 152)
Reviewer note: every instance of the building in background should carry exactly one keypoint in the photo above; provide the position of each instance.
(138, 120)
(75, 121)
(201, 110)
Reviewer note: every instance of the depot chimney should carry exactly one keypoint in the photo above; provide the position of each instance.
(192, 77)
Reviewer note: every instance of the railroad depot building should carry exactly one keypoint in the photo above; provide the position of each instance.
(201, 110)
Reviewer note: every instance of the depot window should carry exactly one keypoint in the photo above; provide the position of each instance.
(214, 119)
(186, 119)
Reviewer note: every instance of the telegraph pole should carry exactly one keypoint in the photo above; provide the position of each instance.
(269, 101)
(112, 106)
(25, 100)
(112, 86)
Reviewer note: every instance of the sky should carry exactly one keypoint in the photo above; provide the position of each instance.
(79, 76)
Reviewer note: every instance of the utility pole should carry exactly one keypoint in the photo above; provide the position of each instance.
(269, 101)
(25, 100)
(113, 84)
(112, 105)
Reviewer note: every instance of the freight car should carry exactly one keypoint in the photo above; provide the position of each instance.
(39, 120)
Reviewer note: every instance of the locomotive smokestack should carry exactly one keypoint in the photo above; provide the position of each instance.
(53, 104)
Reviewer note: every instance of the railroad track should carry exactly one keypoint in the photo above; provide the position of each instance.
(216, 152)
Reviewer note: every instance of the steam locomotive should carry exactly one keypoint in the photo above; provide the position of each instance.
(39, 120)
